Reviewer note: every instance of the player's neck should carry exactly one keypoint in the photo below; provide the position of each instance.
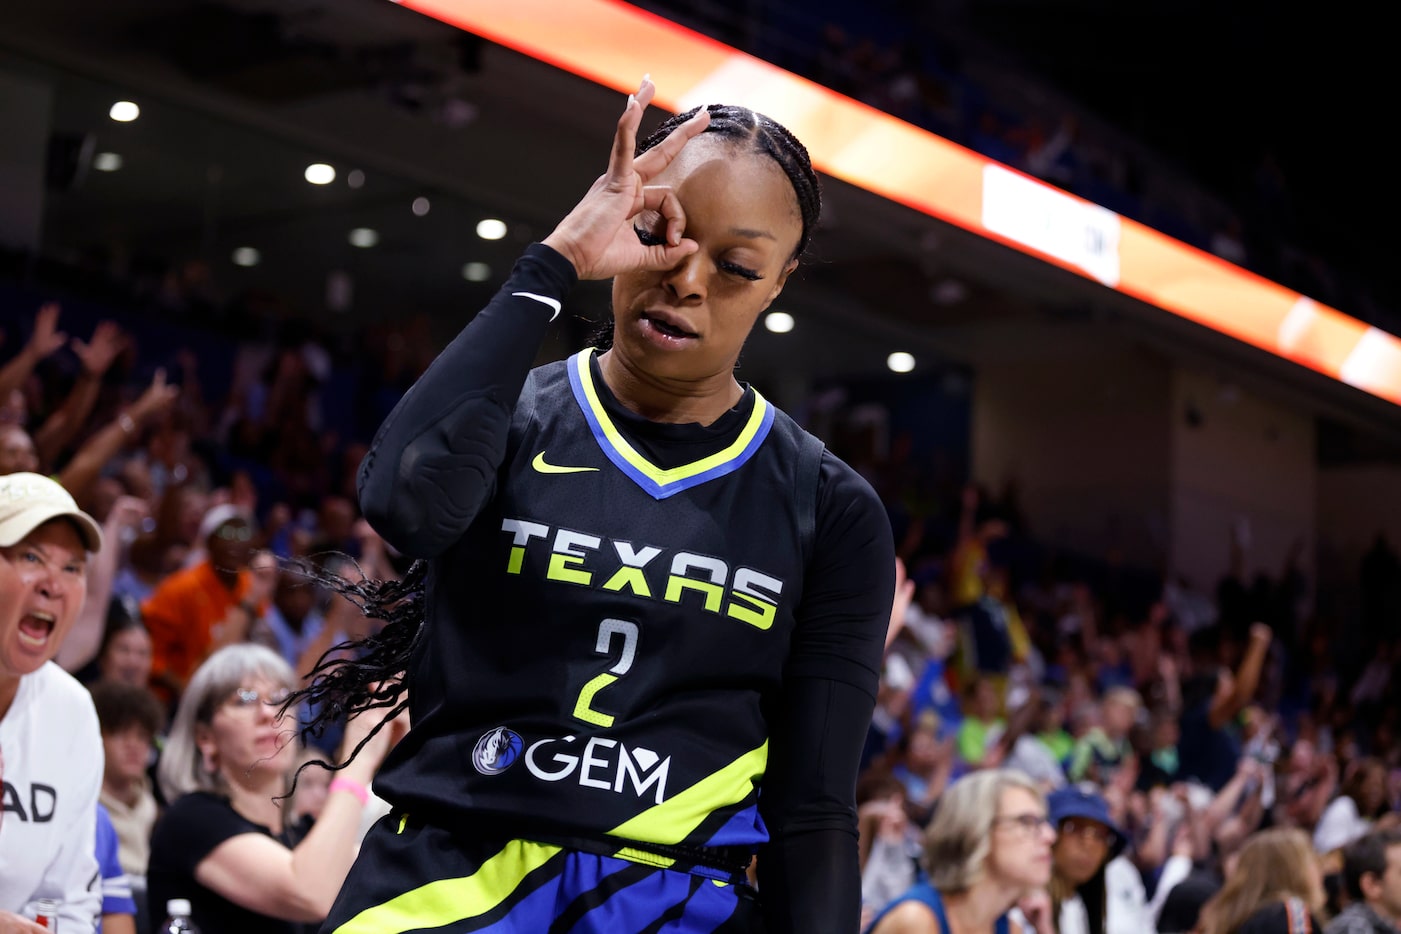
(664, 399)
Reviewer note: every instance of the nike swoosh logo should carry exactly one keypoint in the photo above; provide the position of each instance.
(551, 303)
(540, 465)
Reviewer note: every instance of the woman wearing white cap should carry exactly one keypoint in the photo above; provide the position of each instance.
(50, 746)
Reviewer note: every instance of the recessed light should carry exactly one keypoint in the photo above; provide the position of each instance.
(319, 173)
(355, 178)
(107, 162)
(900, 362)
(124, 111)
(476, 272)
(421, 206)
(491, 229)
(364, 237)
(779, 322)
(247, 256)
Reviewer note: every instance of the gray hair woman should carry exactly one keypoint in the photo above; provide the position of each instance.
(987, 848)
(225, 841)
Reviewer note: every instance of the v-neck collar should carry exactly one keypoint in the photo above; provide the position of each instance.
(657, 482)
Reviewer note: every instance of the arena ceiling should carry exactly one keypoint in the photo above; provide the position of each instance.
(239, 96)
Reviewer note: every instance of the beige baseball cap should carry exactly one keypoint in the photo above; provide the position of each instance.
(28, 500)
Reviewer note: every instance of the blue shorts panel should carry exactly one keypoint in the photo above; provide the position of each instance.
(414, 877)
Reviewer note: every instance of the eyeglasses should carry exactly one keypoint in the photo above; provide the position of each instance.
(249, 698)
(234, 533)
(1027, 824)
(1086, 830)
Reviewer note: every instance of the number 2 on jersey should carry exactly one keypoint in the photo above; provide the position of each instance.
(583, 707)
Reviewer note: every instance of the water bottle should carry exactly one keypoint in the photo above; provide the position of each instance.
(46, 913)
(177, 918)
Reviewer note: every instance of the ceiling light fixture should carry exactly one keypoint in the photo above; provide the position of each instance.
(364, 237)
(319, 173)
(124, 111)
(107, 162)
(476, 272)
(355, 178)
(491, 229)
(421, 206)
(779, 322)
(246, 256)
(900, 362)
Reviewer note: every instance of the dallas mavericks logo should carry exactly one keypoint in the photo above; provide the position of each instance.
(496, 751)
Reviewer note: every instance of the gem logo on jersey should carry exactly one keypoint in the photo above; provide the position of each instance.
(605, 764)
(497, 751)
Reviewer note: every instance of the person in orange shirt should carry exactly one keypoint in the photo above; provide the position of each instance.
(211, 604)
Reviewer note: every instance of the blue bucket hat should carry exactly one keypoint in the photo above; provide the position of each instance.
(1068, 802)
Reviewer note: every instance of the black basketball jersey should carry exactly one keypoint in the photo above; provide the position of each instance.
(601, 644)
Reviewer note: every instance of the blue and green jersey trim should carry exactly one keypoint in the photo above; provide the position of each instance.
(657, 482)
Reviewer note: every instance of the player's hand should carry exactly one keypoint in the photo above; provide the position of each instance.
(598, 236)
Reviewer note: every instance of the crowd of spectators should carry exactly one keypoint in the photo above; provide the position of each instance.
(1177, 736)
(1207, 761)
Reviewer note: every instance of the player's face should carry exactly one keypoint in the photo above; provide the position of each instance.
(689, 322)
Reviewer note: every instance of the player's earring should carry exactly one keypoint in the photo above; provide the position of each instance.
(206, 762)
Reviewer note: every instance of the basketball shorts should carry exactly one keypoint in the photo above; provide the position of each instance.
(412, 876)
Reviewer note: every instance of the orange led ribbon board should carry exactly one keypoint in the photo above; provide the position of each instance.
(614, 44)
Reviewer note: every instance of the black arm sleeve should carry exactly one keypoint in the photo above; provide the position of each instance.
(433, 462)
(809, 873)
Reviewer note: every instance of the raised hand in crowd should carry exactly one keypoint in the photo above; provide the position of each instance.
(97, 354)
(81, 473)
(44, 340)
(1242, 810)
(118, 529)
(67, 422)
(904, 593)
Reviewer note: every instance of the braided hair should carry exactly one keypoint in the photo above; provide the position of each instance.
(366, 673)
(768, 137)
(341, 683)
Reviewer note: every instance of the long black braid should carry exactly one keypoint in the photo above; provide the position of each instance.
(341, 681)
(367, 673)
(767, 136)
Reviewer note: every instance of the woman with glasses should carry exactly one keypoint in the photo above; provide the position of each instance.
(1084, 871)
(987, 850)
(224, 842)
